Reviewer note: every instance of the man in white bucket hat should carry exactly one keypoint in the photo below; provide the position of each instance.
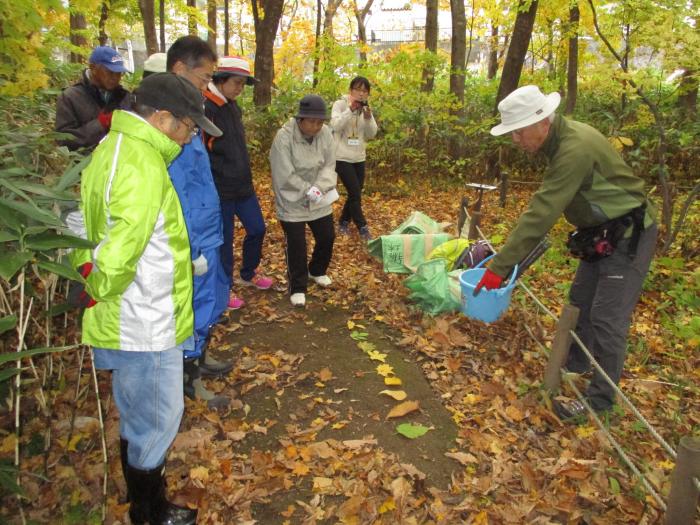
(591, 185)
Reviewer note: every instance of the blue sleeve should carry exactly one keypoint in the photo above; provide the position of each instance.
(179, 172)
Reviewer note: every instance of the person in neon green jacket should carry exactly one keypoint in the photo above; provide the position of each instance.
(139, 280)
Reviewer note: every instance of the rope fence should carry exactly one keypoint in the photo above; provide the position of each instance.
(685, 485)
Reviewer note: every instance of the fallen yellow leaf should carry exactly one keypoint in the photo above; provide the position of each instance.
(7, 445)
(351, 325)
(399, 395)
(300, 469)
(585, 431)
(325, 374)
(201, 473)
(377, 356)
(385, 370)
(666, 464)
(402, 409)
(387, 506)
(392, 381)
(322, 484)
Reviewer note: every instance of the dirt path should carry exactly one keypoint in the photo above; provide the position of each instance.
(331, 380)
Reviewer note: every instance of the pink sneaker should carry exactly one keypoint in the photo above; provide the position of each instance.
(259, 281)
(234, 303)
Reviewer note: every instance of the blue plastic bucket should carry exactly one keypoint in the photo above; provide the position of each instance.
(489, 305)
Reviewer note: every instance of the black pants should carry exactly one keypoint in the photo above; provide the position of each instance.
(353, 176)
(298, 272)
(606, 292)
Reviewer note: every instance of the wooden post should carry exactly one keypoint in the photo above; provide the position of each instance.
(473, 225)
(683, 499)
(560, 347)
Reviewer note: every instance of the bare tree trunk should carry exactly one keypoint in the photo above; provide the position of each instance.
(459, 48)
(317, 42)
(431, 42)
(572, 69)
(493, 52)
(227, 28)
(513, 66)
(624, 63)
(266, 17)
(78, 25)
(688, 94)
(549, 58)
(161, 15)
(211, 22)
(331, 10)
(515, 58)
(147, 9)
(191, 18)
(360, 16)
(104, 15)
(472, 19)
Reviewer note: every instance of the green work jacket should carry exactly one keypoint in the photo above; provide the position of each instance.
(142, 273)
(587, 181)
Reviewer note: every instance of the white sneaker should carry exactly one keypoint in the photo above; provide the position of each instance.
(298, 299)
(321, 280)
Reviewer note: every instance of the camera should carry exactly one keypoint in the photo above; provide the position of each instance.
(363, 103)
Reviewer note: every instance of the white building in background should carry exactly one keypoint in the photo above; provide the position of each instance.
(398, 21)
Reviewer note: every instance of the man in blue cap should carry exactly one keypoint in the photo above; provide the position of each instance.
(84, 110)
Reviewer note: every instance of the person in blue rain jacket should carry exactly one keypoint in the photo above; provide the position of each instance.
(192, 58)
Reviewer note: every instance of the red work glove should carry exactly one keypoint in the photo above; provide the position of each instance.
(105, 119)
(78, 297)
(489, 281)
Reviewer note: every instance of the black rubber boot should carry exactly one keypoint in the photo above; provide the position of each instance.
(148, 503)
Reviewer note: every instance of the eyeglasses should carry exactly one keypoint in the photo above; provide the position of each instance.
(192, 129)
(207, 78)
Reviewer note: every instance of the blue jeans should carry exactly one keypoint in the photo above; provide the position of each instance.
(248, 212)
(147, 389)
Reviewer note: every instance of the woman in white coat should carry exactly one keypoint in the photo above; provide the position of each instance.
(302, 159)
(353, 124)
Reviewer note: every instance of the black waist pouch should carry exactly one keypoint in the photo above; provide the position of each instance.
(597, 242)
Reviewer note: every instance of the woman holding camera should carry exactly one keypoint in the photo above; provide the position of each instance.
(353, 124)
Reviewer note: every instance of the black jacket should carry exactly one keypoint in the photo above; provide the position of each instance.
(76, 113)
(228, 154)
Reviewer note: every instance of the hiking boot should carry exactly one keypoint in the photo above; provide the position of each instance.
(573, 411)
(344, 228)
(298, 299)
(321, 280)
(195, 389)
(234, 302)
(258, 281)
(210, 367)
(365, 235)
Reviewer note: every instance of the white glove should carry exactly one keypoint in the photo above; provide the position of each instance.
(200, 265)
(314, 194)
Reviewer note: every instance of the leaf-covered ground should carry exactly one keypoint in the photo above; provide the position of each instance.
(311, 436)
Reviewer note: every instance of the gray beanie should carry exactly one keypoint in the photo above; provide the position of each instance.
(312, 106)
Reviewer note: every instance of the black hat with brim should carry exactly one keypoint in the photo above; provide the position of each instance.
(176, 94)
(312, 106)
